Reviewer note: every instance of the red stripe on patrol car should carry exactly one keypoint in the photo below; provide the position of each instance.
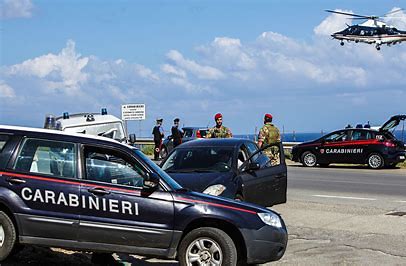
(55, 180)
(351, 143)
(217, 205)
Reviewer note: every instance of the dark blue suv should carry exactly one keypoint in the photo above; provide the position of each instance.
(92, 193)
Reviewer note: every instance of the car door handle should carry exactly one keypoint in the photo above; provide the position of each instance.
(98, 191)
(16, 181)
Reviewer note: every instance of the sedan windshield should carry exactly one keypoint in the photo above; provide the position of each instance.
(199, 159)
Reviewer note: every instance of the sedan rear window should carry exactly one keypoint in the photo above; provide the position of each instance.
(200, 159)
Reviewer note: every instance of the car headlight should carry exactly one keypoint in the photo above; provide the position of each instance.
(270, 219)
(215, 190)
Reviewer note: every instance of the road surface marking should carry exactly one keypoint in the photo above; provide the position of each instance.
(401, 201)
(341, 197)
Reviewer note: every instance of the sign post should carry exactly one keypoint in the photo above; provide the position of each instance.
(133, 112)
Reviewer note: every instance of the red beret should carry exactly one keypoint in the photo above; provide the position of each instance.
(217, 116)
(268, 116)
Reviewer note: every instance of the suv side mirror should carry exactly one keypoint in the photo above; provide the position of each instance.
(133, 138)
(151, 181)
(253, 166)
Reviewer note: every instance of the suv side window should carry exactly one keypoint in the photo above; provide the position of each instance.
(3, 141)
(109, 166)
(47, 157)
(188, 133)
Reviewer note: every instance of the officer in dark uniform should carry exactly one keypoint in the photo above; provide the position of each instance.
(176, 133)
(158, 133)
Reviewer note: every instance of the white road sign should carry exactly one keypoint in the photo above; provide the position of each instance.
(133, 111)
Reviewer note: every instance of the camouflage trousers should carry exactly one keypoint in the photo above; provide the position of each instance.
(273, 155)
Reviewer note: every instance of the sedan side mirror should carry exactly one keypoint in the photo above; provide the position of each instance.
(133, 138)
(253, 166)
(151, 181)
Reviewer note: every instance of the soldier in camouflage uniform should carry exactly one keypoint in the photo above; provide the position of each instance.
(219, 131)
(269, 134)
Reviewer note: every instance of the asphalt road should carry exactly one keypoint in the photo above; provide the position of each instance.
(356, 185)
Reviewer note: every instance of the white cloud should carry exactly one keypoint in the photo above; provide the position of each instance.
(229, 54)
(170, 69)
(6, 91)
(15, 9)
(333, 23)
(200, 71)
(62, 71)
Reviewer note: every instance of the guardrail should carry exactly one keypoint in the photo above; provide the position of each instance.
(149, 141)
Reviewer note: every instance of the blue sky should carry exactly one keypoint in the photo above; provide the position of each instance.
(192, 59)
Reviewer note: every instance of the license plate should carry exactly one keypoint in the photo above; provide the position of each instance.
(402, 157)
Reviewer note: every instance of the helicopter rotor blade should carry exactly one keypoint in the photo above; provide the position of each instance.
(349, 14)
(392, 12)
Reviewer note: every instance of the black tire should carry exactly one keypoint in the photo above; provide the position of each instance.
(309, 159)
(10, 236)
(375, 161)
(324, 164)
(205, 237)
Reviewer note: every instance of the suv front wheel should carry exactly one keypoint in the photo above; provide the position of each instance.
(207, 246)
(8, 235)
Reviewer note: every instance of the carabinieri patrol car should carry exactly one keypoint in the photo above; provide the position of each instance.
(375, 147)
(83, 192)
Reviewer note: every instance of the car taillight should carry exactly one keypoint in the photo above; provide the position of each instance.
(198, 135)
(389, 144)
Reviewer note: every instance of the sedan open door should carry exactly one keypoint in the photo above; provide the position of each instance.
(264, 176)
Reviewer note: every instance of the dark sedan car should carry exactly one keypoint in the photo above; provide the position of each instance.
(232, 168)
(375, 147)
(189, 133)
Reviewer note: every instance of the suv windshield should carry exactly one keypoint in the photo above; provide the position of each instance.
(172, 183)
(111, 130)
(200, 159)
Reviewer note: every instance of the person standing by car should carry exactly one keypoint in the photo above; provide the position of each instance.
(176, 133)
(219, 131)
(269, 134)
(158, 133)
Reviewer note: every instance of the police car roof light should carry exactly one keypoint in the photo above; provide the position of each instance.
(50, 122)
(65, 115)
(104, 111)
(359, 126)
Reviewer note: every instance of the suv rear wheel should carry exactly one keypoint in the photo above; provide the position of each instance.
(375, 161)
(309, 159)
(8, 235)
(207, 246)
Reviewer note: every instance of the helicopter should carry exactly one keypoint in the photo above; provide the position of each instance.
(372, 31)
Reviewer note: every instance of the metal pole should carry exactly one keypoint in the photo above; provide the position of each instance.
(126, 128)
(139, 128)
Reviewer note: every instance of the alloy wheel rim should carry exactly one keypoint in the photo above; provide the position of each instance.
(2, 236)
(204, 251)
(310, 159)
(375, 161)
